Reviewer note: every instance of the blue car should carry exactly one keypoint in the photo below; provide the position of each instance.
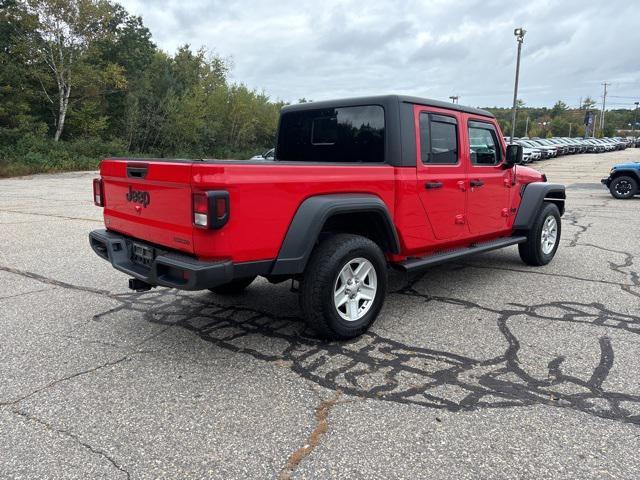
(624, 180)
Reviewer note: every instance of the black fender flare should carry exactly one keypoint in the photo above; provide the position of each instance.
(629, 172)
(533, 196)
(310, 218)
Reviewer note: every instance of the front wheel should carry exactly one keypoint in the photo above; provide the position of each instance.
(623, 187)
(543, 238)
(344, 286)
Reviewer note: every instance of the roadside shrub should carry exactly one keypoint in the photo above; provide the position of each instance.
(36, 154)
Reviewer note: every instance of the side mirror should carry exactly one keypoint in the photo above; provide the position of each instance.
(514, 155)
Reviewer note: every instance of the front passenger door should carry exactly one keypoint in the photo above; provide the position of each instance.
(489, 183)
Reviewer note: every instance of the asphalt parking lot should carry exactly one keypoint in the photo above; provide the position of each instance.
(482, 369)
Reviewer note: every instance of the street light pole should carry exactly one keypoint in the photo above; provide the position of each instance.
(635, 119)
(519, 33)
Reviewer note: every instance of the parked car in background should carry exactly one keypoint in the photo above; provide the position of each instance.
(597, 146)
(547, 151)
(624, 180)
(575, 142)
(268, 155)
(608, 146)
(562, 148)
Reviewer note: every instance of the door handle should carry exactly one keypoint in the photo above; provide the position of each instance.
(430, 185)
(476, 183)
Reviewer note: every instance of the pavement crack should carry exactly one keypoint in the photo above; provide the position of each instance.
(51, 281)
(574, 218)
(65, 379)
(90, 370)
(51, 215)
(546, 274)
(24, 293)
(321, 416)
(75, 438)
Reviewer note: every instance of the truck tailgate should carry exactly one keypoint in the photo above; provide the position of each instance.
(149, 200)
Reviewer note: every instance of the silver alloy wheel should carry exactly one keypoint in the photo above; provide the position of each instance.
(549, 234)
(355, 289)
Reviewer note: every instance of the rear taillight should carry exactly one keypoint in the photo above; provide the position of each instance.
(201, 210)
(98, 192)
(210, 209)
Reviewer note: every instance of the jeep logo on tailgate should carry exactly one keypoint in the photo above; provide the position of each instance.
(138, 196)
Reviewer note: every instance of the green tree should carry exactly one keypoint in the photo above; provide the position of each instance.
(559, 109)
(559, 127)
(64, 34)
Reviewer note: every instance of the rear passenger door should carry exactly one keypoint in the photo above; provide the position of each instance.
(441, 173)
(489, 183)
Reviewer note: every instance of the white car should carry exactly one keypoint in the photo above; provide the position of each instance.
(268, 155)
(532, 153)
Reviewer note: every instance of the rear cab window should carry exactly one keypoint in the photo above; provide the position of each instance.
(341, 135)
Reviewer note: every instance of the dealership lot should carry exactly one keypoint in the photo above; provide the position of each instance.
(480, 369)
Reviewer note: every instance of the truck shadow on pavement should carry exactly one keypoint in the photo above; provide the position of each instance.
(374, 366)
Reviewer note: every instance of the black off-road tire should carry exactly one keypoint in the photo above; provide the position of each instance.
(234, 287)
(531, 251)
(319, 279)
(623, 187)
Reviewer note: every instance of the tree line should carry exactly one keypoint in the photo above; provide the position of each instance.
(83, 79)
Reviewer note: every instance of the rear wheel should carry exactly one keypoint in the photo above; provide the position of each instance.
(344, 286)
(623, 187)
(543, 238)
(234, 287)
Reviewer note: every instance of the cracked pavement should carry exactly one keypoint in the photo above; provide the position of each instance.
(485, 368)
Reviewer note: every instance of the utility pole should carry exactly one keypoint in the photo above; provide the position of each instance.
(454, 98)
(569, 129)
(526, 127)
(519, 33)
(604, 105)
(635, 119)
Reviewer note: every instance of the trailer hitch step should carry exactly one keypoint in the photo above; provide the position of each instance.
(139, 285)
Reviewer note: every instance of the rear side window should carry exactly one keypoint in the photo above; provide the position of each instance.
(483, 144)
(345, 134)
(438, 139)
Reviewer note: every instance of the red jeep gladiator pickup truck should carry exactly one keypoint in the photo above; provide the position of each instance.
(356, 186)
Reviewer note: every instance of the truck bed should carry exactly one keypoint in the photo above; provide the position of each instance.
(151, 200)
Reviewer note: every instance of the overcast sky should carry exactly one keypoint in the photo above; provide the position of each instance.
(432, 48)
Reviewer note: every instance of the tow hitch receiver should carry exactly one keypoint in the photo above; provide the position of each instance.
(139, 285)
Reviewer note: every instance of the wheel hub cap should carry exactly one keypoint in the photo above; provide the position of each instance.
(549, 235)
(355, 289)
(623, 187)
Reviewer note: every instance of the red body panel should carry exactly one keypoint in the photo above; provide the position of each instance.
(166, 220)
(264, 198)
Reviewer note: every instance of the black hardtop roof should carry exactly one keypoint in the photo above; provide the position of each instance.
(384, 100)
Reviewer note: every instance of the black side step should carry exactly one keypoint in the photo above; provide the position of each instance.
(416, 264)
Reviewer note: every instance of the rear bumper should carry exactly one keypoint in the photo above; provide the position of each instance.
(167, 269)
